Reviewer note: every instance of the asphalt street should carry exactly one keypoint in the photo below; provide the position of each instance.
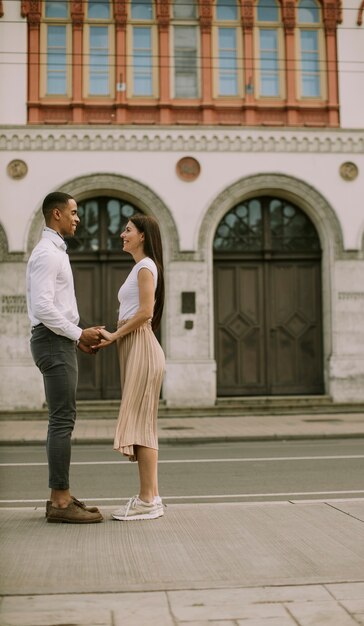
(230, 472)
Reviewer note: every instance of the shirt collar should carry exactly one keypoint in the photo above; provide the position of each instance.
(49, 233)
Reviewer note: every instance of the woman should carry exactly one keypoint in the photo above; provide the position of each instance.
(142, 363)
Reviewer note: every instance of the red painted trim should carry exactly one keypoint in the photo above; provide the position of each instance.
(248, 111)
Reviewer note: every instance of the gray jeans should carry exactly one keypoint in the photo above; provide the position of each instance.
(56, 358)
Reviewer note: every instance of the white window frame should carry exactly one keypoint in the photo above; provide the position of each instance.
(193, 22)
(318, 27)
(278, 27)
(236, 25)
(109, 24)
(55, 21)
(142, 23)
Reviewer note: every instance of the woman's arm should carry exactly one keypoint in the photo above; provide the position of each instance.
(143, 314)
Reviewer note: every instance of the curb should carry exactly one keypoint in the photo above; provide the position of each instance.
(198, 440)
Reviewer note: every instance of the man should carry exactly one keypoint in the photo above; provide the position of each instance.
(53, 313)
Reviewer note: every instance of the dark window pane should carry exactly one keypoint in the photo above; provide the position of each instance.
(241, 228)
(118, 214)
(286, 228)
(291, 229)
(86, 238)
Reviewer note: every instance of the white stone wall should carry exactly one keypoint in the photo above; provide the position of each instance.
(351, 66)
(13, 64)
(303, 164)
(59, 156)
(347, 361)
(21, 385)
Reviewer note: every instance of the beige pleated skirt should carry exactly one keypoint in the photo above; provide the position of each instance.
(142, 365)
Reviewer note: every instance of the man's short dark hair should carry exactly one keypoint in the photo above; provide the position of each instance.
(55, 200)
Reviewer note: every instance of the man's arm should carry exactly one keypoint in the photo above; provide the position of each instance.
(43, 277)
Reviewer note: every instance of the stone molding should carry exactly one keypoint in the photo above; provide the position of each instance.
(120, 187)
(5, 255)
(40, 139)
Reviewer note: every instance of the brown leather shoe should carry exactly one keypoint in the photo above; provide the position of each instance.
(73, 514)
(92, 509)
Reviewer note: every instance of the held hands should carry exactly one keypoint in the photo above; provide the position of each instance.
(90, 336)
(87, 349)
(105, 339)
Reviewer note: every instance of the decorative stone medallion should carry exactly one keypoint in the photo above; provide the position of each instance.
(349, 171)
(188, 169)
(17, 169)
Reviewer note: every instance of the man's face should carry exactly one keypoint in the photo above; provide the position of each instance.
(68, 219)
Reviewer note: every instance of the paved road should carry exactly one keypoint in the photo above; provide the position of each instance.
(231, 472)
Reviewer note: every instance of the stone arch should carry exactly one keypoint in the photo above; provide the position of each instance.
(316, 208)
(4, 247)
(121, 187)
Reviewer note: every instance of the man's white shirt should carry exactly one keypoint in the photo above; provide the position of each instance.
(51, 296)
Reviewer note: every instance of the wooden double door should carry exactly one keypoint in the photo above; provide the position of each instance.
(97, 284)
(267, 286)
(99, 268)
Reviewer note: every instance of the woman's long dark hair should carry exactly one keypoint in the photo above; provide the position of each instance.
(153, 248)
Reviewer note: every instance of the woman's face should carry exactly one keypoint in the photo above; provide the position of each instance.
(132, 238)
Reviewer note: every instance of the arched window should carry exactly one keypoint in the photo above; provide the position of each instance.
(101, 222)
(269, 45)
(142, 49)
(266, 224)
(186, 49)
(228, 45)
(310, 49)
(56, 45)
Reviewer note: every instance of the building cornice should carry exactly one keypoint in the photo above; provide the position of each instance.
(173, 139)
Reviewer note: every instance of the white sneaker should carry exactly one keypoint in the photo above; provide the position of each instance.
(158, 501)
(137, 509)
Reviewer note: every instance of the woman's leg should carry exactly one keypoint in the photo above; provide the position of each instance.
(148, 472)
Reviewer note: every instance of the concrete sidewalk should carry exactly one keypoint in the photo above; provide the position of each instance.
(257, 564)
(201, 429)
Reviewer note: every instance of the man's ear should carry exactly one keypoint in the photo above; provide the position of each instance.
(57, 214)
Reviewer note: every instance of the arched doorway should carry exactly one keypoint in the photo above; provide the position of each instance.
(99, 267)
(267, 292)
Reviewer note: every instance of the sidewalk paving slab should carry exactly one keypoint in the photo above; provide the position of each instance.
(310, 605)
(200, 429)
